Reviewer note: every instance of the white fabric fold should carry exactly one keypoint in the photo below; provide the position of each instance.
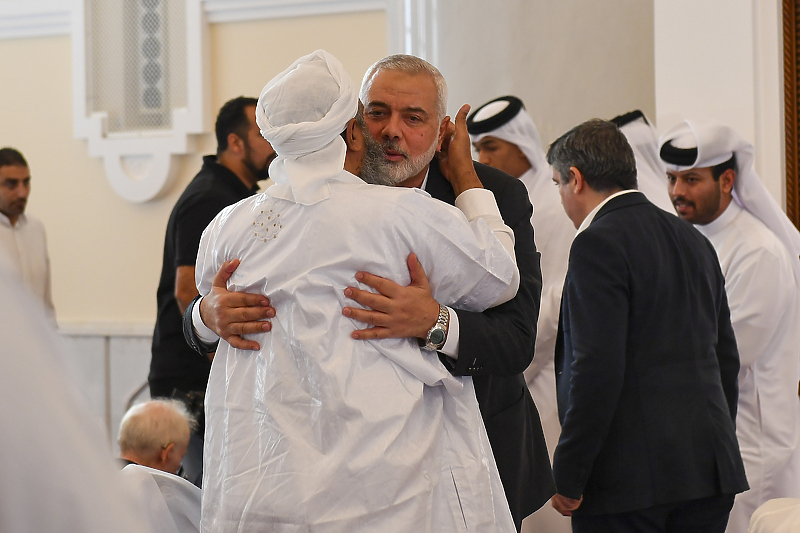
(651, 174)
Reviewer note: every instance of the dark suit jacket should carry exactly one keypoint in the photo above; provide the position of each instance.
(497, 345)
(646, 365)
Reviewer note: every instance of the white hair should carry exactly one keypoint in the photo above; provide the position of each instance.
(410, 65)
(149, 427)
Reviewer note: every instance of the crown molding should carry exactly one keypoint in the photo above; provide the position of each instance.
(39, 18)
(35, 18)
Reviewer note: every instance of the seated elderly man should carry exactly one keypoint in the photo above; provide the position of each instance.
(155, 434)
(317, 431)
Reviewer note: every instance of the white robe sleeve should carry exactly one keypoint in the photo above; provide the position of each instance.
(480, 203)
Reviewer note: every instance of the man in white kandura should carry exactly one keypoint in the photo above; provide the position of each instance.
(712, 184)
(317, 431)
(22, 237)
(505, 137)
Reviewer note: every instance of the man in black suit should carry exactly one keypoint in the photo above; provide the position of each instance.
(405, 111)
(646, 360)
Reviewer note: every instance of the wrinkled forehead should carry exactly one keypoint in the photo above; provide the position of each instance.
(391, 87)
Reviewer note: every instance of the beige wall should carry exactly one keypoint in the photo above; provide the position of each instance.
(569, 61)
(106, 252)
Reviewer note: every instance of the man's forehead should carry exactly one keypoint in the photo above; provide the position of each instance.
(411, 89)
(699, 171)
(488, 140)
(14, 172)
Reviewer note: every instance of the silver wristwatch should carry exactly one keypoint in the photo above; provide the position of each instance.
(437, 335)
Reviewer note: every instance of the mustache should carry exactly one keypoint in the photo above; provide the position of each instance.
(682, 199)
(394, 146)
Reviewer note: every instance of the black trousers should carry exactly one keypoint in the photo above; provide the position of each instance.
(706, 515)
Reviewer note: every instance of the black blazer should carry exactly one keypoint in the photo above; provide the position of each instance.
(646, 365)
(497, 345)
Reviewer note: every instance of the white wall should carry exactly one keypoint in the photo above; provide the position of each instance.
(569, 61)
(721, 60)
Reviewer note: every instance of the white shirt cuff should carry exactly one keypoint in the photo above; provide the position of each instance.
(205, 334)
(450, 348)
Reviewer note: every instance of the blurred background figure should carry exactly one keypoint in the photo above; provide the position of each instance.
(58, 474)
(505, 137)
(22, 237)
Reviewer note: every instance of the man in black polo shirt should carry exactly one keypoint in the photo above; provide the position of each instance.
(242, 159)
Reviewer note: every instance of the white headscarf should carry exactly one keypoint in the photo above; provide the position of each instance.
(716, 144)
(650, 171)
(302, 112)
(520, 131)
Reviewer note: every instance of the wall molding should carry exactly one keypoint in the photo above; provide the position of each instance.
(409, 23)
(106, 329)
(35, 18)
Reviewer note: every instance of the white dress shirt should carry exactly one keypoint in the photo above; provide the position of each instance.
(25, 246)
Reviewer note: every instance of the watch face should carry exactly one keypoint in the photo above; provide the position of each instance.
(437, 336)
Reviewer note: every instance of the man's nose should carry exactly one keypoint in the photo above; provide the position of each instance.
(484, 158)
(677, 188)
(391, 128)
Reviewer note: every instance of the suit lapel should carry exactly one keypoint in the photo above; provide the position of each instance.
(438, 186)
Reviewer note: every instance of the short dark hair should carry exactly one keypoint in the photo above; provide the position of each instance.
(232, 119)
(717, 170)
(600, 151)
(10, 156)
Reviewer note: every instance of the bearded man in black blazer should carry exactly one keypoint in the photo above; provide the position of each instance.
(646, 360)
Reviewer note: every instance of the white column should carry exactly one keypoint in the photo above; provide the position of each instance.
(722, 60)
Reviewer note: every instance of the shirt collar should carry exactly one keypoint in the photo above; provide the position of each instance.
(425, 181)
(590, 217)
(721, 222)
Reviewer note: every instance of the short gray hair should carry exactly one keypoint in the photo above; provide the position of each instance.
(148, 427)
(410, 65)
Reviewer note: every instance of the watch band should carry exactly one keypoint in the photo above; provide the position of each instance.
(437, 335)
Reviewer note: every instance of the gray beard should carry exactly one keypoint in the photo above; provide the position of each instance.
(378, 170)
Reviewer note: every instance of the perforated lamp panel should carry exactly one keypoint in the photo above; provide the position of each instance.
(136, 62)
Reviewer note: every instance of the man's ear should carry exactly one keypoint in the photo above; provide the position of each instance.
(442, 131)
(235, 144)
(726, 180)
(354, 136)
(576, 180)
(163, 455)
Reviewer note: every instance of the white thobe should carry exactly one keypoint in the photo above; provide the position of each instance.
(25, 245)
(553, 232)
(765, 312)
(317, 431)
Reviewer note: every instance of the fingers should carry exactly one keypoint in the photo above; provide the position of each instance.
(418, 276)
(224, 273)
(461, 116)
(366, 316)
(384, 286)
(242, 300)
(371, 333)
(242, 344)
